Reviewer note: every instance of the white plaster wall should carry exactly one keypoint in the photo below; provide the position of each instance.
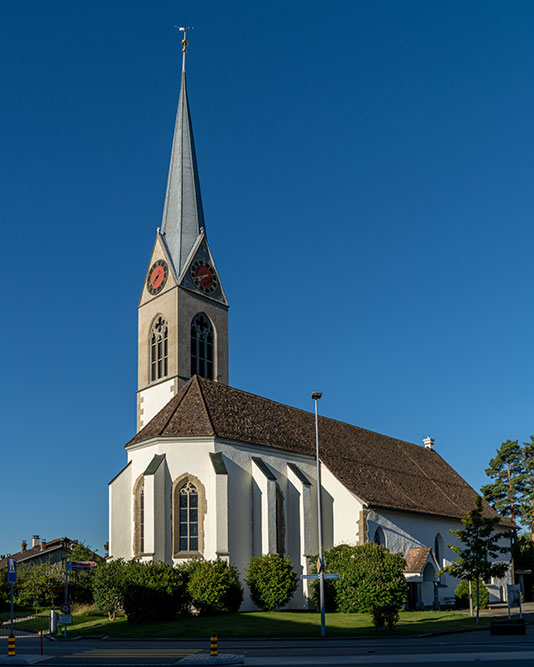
(403, 531)
(153, 399)
(120, 515)
(341, 511)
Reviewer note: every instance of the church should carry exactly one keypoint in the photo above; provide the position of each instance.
(213, 471)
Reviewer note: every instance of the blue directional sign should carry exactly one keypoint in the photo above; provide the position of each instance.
(11, 571)
(316, 576)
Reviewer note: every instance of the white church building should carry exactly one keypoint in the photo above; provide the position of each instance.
(217, 472)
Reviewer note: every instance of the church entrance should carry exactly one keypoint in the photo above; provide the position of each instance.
(427, 585)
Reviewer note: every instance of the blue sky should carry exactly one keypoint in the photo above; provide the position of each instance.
(366, 172)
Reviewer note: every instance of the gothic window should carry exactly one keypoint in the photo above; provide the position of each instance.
(202, 347)
(159, 345)
(280, 523)
(189, 506)
(379, 537)
(139, 517)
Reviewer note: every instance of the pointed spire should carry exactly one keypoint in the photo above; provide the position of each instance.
(183, 217)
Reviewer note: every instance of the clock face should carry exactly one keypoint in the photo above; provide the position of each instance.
(157, 277)
(203, 276)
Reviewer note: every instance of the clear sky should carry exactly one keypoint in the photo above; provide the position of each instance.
(367, 176)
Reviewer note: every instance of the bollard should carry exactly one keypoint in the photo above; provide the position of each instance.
(42, 642)
(11, 645)
(213, 644)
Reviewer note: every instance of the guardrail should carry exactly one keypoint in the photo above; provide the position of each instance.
(24, 626)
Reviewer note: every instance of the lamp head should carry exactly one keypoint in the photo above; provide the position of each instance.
(317, 395)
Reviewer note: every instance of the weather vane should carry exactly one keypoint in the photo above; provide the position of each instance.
(185, 43)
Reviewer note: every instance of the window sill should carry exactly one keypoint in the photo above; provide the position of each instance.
(188, 554)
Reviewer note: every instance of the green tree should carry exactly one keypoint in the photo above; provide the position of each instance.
(481, 545)
(80, 583)
(506, 470)
(213, 586)
(526, 507)
(371, 579)
(108, 586)
(5, 589)
(38, 584)
(272, 581)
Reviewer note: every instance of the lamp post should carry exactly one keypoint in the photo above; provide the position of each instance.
(315, 397)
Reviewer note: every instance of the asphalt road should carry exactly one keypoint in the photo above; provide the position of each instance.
(458, 650)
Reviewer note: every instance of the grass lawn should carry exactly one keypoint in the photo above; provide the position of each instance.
(276, 624)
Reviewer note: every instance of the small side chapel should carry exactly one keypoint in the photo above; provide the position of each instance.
(217, 472)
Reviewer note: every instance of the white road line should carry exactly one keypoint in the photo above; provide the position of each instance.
(371, 659)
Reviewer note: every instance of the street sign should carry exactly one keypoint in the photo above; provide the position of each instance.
(65, 608)
(80, 565)
(11, 571)
(65, 619)
(316, 576)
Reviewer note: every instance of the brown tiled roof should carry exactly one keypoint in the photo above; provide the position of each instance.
(32, 552)
(416, 559)
(382, 471)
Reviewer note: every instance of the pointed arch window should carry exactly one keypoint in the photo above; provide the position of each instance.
(188, 507)
(202, 347)
(139, 516)
(159, 349)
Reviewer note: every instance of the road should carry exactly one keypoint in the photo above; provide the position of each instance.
(459, 650)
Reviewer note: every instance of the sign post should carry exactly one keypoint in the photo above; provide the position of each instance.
(11, 579)
(72, 566)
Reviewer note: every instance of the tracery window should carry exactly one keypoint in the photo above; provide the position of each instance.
(159, 345)
(189, 507)
(188, 518)
(202, 346)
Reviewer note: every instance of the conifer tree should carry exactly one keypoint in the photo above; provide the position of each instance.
(506, 471)
(526, 507)
(481, 545)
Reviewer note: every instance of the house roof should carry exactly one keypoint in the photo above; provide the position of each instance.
(417, 559)
(33, 552)
(384, 472)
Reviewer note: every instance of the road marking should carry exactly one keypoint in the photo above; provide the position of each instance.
(367, 659)
(132, 653)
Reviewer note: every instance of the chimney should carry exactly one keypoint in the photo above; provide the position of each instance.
(23, 546)
(428, 442)
(43, 544)
(35, 541)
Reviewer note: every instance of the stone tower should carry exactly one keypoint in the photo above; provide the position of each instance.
(183, 312)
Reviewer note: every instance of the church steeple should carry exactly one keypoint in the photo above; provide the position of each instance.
(183, 311)
(183, 217)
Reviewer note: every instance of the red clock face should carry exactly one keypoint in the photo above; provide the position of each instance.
(203, 276)
(157, 277)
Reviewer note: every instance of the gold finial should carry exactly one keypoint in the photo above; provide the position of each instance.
(185, 43)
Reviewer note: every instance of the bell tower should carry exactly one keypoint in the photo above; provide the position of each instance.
(183, 311)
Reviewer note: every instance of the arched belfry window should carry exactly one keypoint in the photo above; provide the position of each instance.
(139, 517)
(202, 347)
(159, 346)
(189, 507)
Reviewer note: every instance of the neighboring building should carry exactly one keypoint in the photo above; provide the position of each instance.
(217, 472)
(57, 550)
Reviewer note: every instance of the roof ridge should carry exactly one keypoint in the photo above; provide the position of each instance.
(205, 403)
(307, 412)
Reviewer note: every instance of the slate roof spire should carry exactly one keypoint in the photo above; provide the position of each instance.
(183, 217)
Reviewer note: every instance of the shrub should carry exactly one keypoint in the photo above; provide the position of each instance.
(152, 591)
(387, 614)
(369, 576)
(108, 587)
(462, 594)
(272, 581)
(213, 586)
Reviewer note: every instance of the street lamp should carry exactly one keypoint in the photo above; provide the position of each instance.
(315, 397)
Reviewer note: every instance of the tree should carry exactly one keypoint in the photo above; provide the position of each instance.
(526, 507)
(272, 581)
(37, 584)
(506, 471)
(482, 544)
(108, 587)
(80, 583)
